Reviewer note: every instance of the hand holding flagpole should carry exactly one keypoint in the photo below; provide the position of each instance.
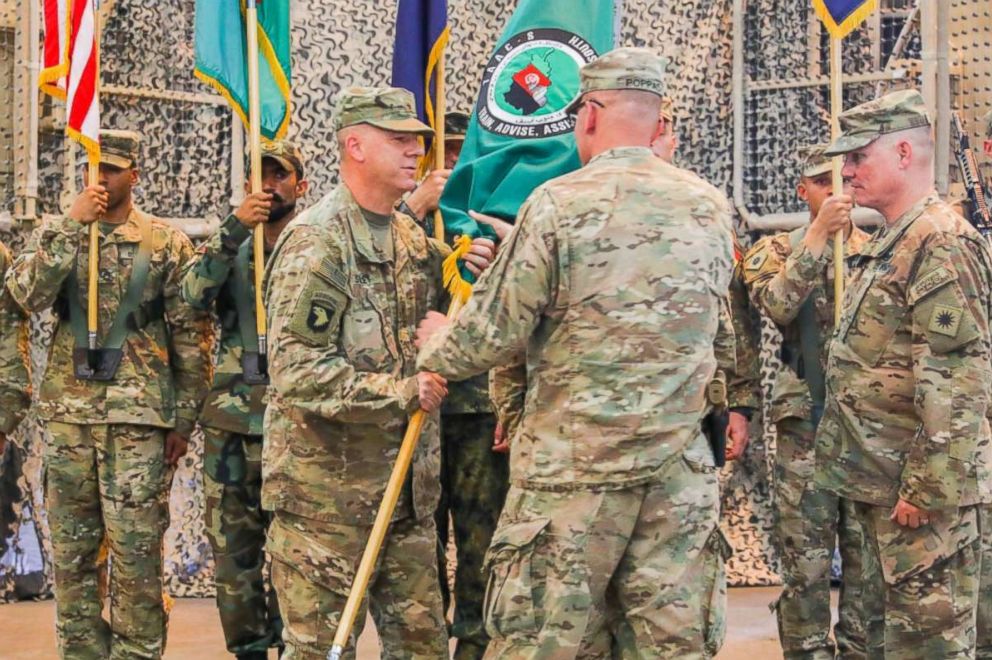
(255, 151)
(840, 17)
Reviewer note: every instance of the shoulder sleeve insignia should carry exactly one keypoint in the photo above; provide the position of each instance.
(945, 320)
(756, 261)
(930, 282)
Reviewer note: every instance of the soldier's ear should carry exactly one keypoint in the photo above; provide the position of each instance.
(133, 175)
(802, 191)
(302, 186)
(987, 147)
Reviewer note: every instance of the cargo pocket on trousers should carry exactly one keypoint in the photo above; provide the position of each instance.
(509, 606)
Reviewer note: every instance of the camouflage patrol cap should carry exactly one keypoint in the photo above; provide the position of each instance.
(622, 69)
(863, 124)
(119, 148)
(388, 108)
(987, 122)
(286, 154)
(455, 125)
(814, 161)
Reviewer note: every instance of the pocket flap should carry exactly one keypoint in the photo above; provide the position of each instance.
(517, 535)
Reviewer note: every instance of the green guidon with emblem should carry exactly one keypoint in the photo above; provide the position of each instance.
(530, 82)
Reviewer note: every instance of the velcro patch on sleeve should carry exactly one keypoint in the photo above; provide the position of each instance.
(945, 320)
(930, 282)
(318, 312)
(331, 274)
(756, 261)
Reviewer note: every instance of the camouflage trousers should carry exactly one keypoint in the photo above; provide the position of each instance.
(921, 586)
(474, 480)
(632, 573)
(313, 567)
(108, 480)
(983, 648)
(235, 525)
(808, 522)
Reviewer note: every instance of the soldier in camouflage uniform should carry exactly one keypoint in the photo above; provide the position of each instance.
(346, 285)
(791, 276)
(15, 387)
(905, 433)
(984, 644)
(231, 416)
(612, 514)
(114, 443)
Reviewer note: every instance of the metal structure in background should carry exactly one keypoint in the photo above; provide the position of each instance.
(940, 46)
(36, 125)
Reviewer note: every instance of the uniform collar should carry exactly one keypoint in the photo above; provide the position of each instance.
(886, 236)
(128, 231)
(622, 153)
(360, 233)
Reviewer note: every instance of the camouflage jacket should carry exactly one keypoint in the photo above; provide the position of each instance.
(342, 364)
(613, 283)
(908, 374)
(15, 388)
(232, 405)
(780, 280)
(743, 375)
(165, 371)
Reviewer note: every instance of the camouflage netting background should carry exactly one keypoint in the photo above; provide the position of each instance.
(187, 173)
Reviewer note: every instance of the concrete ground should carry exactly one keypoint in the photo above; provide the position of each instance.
(27, 630)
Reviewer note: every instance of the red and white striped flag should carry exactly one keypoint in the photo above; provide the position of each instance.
(72, 67)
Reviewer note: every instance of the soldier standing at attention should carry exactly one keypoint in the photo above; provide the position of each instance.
(231, 416)
(118, 425)
(612, 513)
(905, 434)
(346, 285)
(15, 386)
(790, 277)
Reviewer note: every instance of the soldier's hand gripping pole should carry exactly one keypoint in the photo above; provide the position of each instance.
(255, 150)
(381, 524)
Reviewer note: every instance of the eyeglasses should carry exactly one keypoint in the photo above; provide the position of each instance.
(575, 110)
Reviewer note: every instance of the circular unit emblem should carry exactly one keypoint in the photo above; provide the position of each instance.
(530, 81)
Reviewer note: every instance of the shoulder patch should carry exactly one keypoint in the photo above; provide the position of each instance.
(330, 273)
(756, 261)
(930, 282)
(945, 320)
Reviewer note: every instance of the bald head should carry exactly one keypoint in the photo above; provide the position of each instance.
(609, 119)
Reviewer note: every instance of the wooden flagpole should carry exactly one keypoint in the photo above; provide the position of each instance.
(440, 108)
(836, 107)
(93, 178)
(255, 151)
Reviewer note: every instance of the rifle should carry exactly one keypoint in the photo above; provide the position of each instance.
(979, 214)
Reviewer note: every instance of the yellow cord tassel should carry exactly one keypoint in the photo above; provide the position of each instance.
(459, 289)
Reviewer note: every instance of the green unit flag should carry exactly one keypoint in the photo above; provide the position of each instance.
(222, 57)
(520, 135)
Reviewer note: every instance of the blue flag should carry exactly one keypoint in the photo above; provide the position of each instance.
(421, 36)
(842, 16)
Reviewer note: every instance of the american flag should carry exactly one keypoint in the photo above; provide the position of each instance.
(72, 66)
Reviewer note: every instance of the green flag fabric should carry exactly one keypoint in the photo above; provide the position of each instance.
(520, 135)
(222, 57)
